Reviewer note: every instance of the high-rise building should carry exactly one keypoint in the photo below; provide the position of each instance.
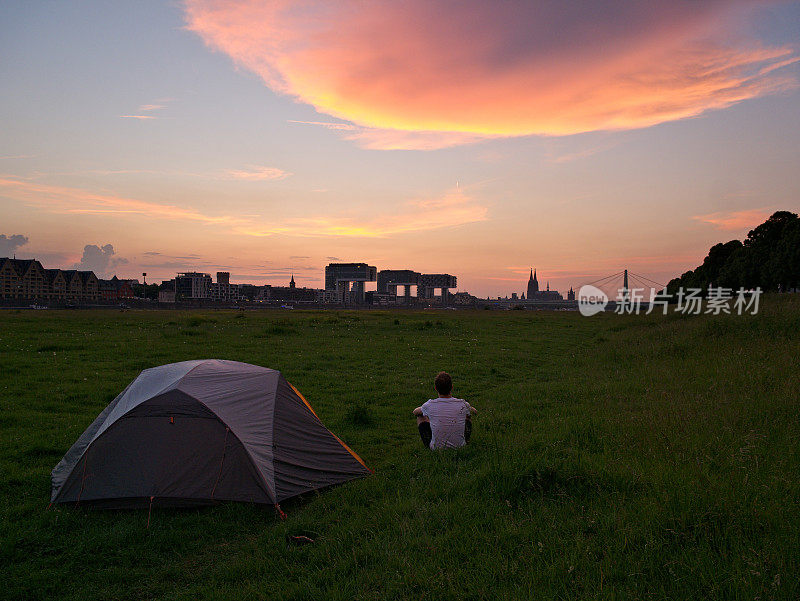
(429, 282)
(192, 285)
(339, 276)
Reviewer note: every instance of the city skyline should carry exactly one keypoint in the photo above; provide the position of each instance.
(358, 284)
(162, 137)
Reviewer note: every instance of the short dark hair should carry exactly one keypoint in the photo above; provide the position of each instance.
(443, 383)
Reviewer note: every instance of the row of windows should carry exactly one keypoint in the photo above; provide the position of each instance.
(36, 283)
(27, 283)
(48, 295)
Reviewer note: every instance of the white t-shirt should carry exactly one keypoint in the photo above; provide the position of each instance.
(447, 417)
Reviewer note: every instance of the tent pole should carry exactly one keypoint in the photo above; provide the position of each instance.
(222, 462)
(149, 511)
(83, 481)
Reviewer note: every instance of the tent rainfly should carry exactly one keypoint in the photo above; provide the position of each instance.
(198, 432)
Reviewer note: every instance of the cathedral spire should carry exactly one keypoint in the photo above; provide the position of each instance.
(533, 285)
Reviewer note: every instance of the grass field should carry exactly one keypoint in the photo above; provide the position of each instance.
(613, 457)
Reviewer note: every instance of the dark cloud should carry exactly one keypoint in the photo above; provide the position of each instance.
(177, 265)
(282, 272)
(263, 271)
(237, 277)
(100, 259)
(237, 258)
(53, 259)
(299, 257)
(294, 269)
(188, 262)
(333, 258)
(9, 244)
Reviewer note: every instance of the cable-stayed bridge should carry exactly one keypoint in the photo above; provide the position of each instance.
(625, 284)
(621, 287)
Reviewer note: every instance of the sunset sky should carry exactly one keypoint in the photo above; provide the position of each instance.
(472, 138)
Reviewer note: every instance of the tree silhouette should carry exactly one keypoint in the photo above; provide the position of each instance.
(768, 258)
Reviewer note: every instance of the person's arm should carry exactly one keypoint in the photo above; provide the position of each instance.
(472, 409)
(417, 411)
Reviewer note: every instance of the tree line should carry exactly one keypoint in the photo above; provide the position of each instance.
(769, 258)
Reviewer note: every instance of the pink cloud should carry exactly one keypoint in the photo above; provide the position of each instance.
(140, 117)
(421, 74)
(62, 199)
(735, 220)
(394, 139)
(256, 173)
(451, 210)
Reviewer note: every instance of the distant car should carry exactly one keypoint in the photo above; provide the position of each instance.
(287, 307)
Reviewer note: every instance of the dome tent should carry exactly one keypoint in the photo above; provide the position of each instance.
(202, 431)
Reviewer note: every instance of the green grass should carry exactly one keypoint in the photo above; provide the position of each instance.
(613, 457)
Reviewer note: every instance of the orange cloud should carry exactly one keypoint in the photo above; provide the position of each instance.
(421, 74)
(140, 117)
(451, 210)
(736, 220)
(256, 173)
(63, 199)
(394, 139)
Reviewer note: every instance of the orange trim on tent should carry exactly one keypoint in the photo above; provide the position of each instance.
(353, 453)
(302, 398)
(349, 450)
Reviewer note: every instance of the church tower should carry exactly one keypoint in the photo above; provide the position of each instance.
(291, 283)
(533, 285)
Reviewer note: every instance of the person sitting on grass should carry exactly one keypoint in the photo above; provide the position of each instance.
(444, 422)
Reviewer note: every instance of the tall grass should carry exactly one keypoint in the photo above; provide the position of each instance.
(612, 457)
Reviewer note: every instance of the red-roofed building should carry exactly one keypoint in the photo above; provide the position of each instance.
(115, 289)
